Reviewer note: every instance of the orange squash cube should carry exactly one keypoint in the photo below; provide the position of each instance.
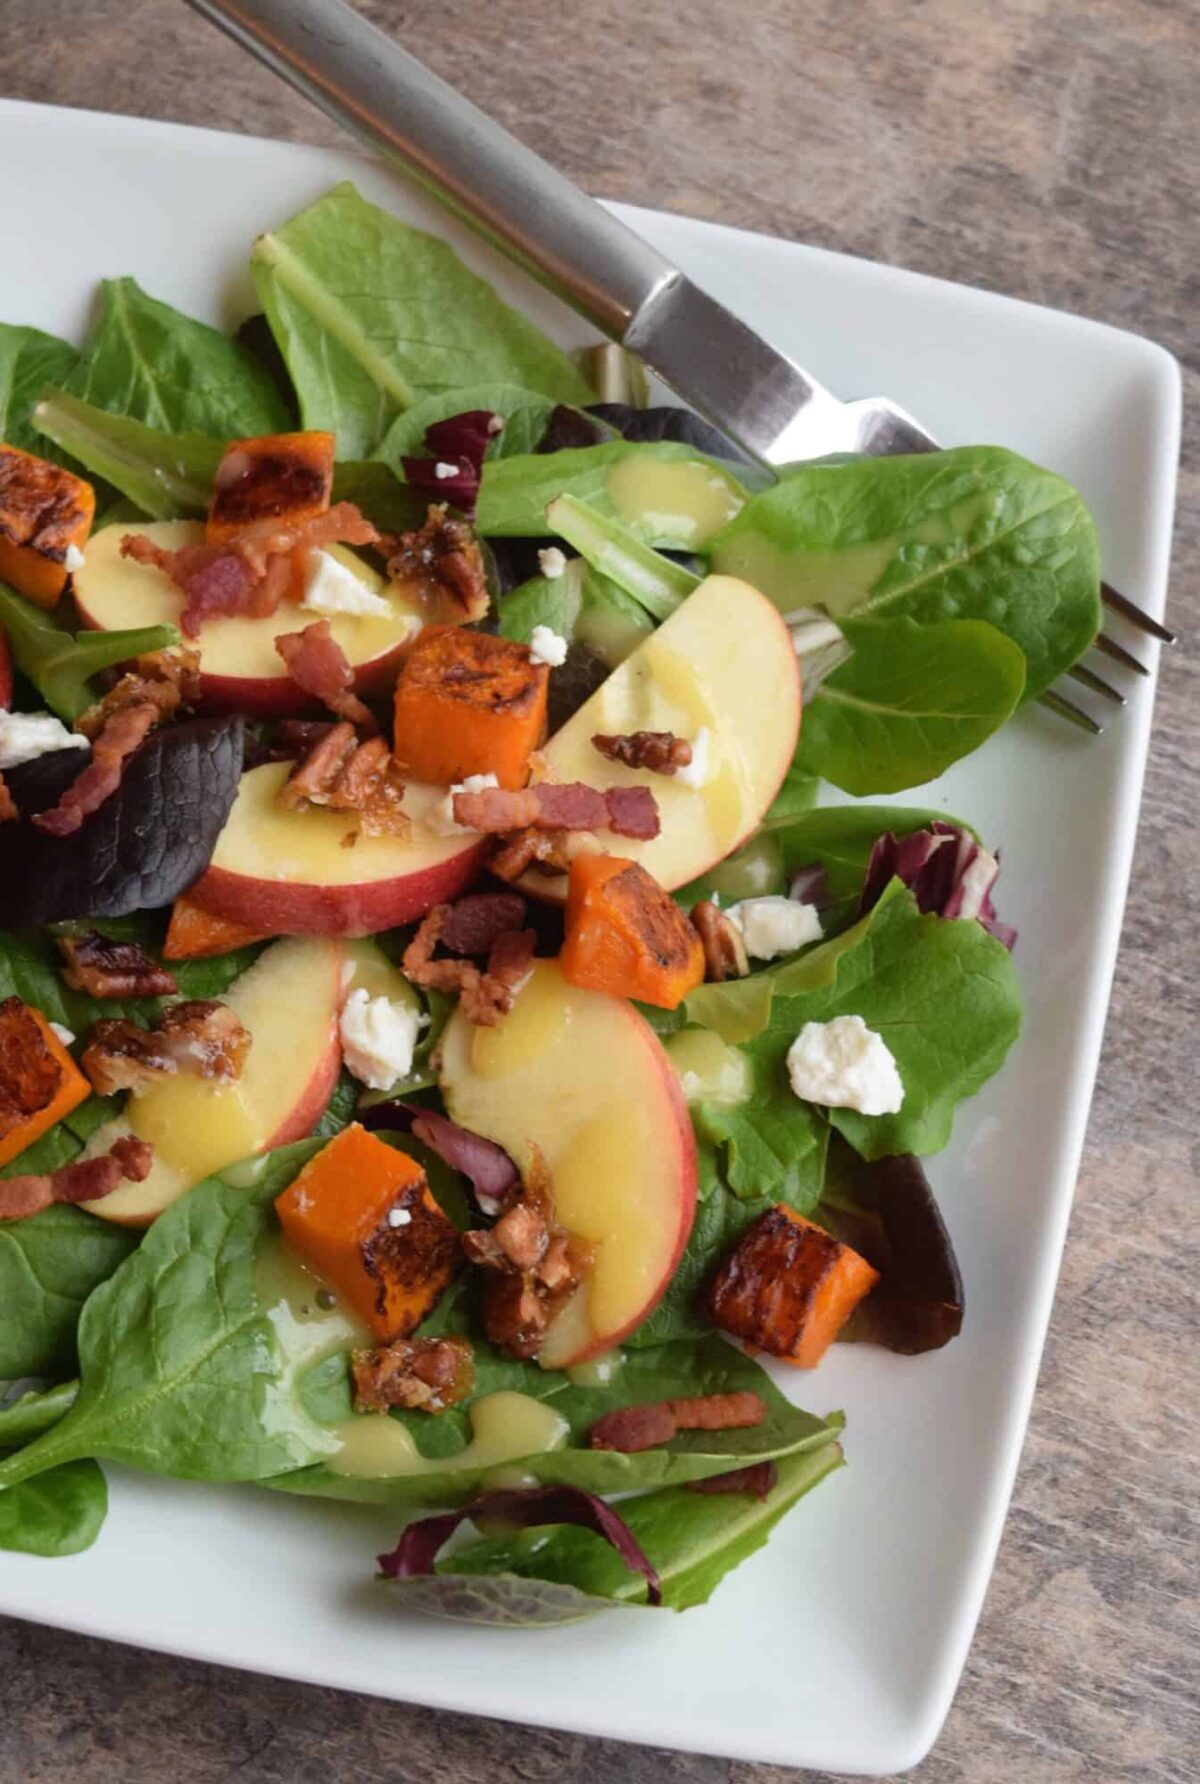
(626, 935)
(361, 1214)
(788, 1287)
(284, 477)
(39, 1081)
(469, 703)
(44, 511)
(195, 934)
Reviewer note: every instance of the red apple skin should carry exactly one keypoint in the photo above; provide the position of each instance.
(313, 1104)
(279, 908)
(6, 675)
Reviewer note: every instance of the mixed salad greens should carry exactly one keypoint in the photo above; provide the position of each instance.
(444, 1036)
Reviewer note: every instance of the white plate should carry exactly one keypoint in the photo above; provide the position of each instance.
(839, 1647)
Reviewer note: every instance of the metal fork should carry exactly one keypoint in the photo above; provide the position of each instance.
(756, 395)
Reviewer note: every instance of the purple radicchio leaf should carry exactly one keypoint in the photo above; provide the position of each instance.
(526, 1508)
(946, 870)
(459, 445)
(810, 885)
(487, 1167)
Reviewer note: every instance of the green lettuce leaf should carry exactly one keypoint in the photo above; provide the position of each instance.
(526, 415)
(60, 1513)
(61, 664)
(516, 492)
(840, 838)
(49, 1265)
(167, 476)
(29, 359)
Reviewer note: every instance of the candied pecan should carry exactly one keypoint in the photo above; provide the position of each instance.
(105, 968)
(201, 1037)
(544, 850)
(164, 679)
(659, 751)
(346, 775)
(128, 1159)
(316, 774)
(533, 1265)
(429, 1374)
(443, 559)
(724, 950)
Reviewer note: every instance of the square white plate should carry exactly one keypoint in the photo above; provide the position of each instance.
(840, 1646)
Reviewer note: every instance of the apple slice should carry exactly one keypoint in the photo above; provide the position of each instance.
(296, 872)
(240, 669)
(288, 1001)
(584, 1078)
(723, 663)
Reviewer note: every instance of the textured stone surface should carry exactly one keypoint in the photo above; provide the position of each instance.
(1046, 148)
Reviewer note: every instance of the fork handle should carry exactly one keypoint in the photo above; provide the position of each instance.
(399, 108)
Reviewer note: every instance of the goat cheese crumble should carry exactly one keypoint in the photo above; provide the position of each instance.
(551, 562)
(697, 770)
(378, 1037)
(843, 1064)
(24, 736)
(74, 559)
(440, 817)
(547, 646)
(332, 588)
(775, 925)
(63, 1033)
(443, 470)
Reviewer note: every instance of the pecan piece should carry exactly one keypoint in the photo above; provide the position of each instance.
(443, 561)
(659, 751)
(104, 968)
(429, 1374)
(201, 1037)
(724, 950)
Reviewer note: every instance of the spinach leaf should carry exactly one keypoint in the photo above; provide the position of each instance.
(910, 700)
(526, 414)
(654, 582)
(516, 492)
(797, 795)
(32, 1413)
(775, 1145)
(943, 994)
(553, 601)
(181, 1372)
(692, 1540)
(371, 314)
(29, 359)
(149, 361)
(60, 664)
(49, 1265)
(60, 1513)
(31, 969)
(974, 533)
(339, 1110)
(166, 475)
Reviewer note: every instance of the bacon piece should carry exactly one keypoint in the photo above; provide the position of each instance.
(485, 996)
(85, 1180)
(345, 775)
(166, 679)
(429, 1374)
(8, 805)
(559, 805)
(319, 666)
(474, 923)
(633, 811)
(121, 735)
(659, 751)
(758, 1478)
(724, 950)
(201, 1037)
(632, 1428)
(104, 968)
(546, 851)
(442, 564)
(250, 572)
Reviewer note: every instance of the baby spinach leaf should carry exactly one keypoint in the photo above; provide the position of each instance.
(61, 664)
(691, 1539)
(774, 1146)
(973, 533)
(525, 414)
(29, 359)
(49, 1265)
(516, 492)
(553, 601)
(151, 362)
(910, 700)
(371, 314)
(339, 1110)
(60, 1513)
(32, 1413)
(165, 475)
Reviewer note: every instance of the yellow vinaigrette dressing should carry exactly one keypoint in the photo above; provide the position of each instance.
(679, 497)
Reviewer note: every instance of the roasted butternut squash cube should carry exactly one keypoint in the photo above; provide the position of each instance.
(284, 477)
(195, 934)
(44, 512)
(626, 935)
(788, 1287)
(39, 1081)
(469, 703)
(361, 1214)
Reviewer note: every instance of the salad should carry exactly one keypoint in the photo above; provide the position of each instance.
(466, 1035)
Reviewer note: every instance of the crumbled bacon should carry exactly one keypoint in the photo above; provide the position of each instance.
(473, 924)
(345, 775)
(165, 679)
(659, 751)
(426, 1374)
(724, 950)
(201, 1037)
(485, 996)
(533, 1266)
(443, 565)
(632, 1428)
(85, 1180)
(8, 805)
(559, 805)
(758, 1478)
(547, 851)
(319, 666)
(104, 968)
(249, 573)
(122, 734)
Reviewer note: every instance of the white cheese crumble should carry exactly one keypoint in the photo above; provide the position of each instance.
(440, 817)
(551, 562)
(444, 470)
(774, 925)
(547, 646)
(331, 588)
(843, 1064)
(74, 559)
(63, 1032)
(24, 736)
(697, 770)
(399, 1217)
(495, 424)
(378, 1037)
